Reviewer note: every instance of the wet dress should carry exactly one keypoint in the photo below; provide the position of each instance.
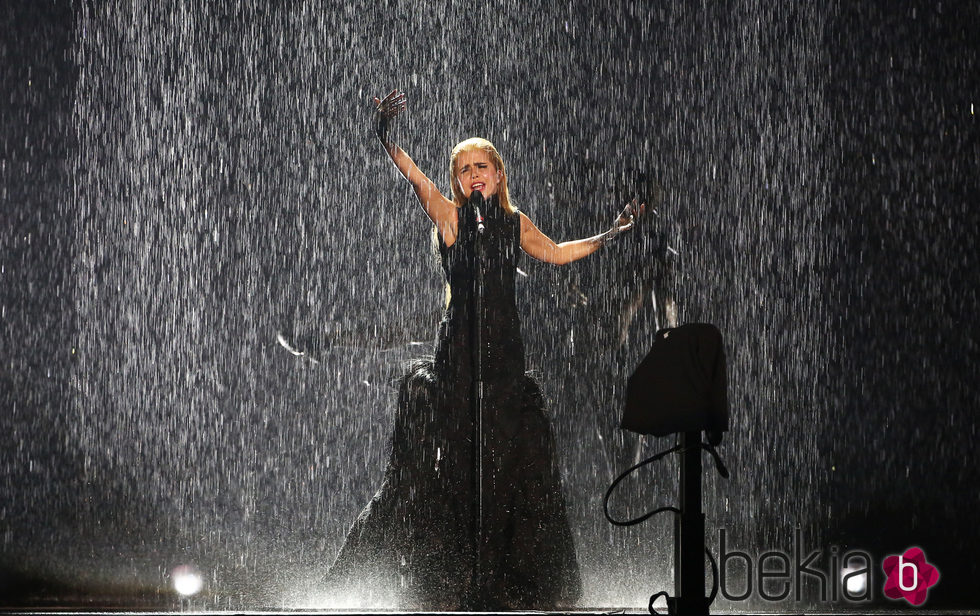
(417, 538)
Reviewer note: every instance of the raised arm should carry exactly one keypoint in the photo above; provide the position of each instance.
(438, 208)
(543, 248)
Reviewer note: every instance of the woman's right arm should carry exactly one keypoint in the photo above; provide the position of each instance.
(440, 210)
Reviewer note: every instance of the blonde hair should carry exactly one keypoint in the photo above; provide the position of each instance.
(476, 143)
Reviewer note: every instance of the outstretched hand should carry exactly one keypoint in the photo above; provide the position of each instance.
(630, 214)
(386, 110)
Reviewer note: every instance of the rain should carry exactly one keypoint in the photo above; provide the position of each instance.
(211, 277)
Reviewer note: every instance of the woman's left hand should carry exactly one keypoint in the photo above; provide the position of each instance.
(630, 214)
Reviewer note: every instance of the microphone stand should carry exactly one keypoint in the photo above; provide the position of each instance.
(476, 398)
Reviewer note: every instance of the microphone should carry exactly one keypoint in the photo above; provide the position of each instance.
(476, 202)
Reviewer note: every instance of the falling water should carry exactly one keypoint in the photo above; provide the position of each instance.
(225, 199)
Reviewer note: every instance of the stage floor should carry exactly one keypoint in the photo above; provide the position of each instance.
(90, 611)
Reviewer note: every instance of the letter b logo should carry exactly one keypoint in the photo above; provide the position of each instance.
(903, 569)
(909, 576)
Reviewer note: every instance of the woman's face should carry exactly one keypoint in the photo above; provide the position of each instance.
(475, 171)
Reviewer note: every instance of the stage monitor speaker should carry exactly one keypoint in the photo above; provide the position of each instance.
(681, 385)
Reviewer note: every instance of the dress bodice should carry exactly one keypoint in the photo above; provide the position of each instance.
(495, 251)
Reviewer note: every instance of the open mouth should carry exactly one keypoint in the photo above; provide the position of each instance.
(477, 186)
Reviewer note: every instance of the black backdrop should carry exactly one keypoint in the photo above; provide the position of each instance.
(901, 89)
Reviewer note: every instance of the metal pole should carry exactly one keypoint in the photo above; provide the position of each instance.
(477, 408)
(689, 597)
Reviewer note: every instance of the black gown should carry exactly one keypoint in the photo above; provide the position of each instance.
(416, 538)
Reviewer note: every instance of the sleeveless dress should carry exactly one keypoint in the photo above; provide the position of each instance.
(427, 537)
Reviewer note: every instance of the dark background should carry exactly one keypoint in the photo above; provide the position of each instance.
(892, 156)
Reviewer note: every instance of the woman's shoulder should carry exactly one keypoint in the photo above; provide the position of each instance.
(522, 219)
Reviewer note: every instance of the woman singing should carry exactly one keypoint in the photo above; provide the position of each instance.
(453, 526)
